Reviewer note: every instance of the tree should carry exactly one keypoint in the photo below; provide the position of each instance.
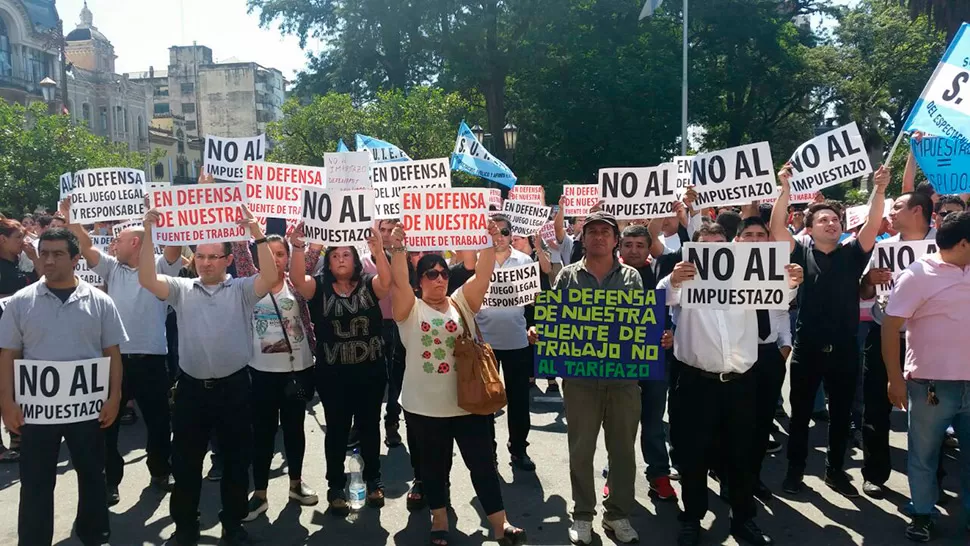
(39, 147)
(946, 15)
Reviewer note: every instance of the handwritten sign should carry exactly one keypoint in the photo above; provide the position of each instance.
(735, 175)
(600, 334)
(945, 162)
(445, 219)
(334, 217)
(57, 393)
(528, 194)
(513, 286)
(390, 179)
(199, 214)
(225, 158)
(897, 256)
(103, 195)
(526, 219)
(347, 170)
(829, 159)
(631, 193)
(579, 199)
(737, 275)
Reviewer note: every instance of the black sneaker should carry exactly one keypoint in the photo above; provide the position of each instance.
(523, 462)
(821, 416)
(920, 529)
(841, 484)
(215, 472)
(792, 483)
(113, 496)
(780, 412)
(873, 490)
(163, 483)
(239, 537)
(255, 507)
(128, 416)
(750, 533)
(392, 435)
(774, 446)
(690, 533)
(762, 493)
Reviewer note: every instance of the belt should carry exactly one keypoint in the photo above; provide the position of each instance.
(212, 383)
(138, 356)
(723, 377)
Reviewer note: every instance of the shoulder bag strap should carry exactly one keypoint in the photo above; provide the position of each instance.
(465, 321)
(286, 336)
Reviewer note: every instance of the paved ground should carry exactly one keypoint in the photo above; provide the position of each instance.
(539, 503)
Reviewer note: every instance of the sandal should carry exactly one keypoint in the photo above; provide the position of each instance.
(375, 499)
(513, 535)
(439, 538)
(415, 497)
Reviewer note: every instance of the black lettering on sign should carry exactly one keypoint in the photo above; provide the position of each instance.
(808, 157)
(658, 187)
(722, 260)
(354, 209)
(254, 150)
(954, 91)
(616, 186)
(756, 267)
(84, 382)
(709, 168)
(222, 150)
(897, 259)
(316, 205)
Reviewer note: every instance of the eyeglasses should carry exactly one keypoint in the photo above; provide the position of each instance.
(942, 214)
(505, 232)
(433, 274)
(209, 257)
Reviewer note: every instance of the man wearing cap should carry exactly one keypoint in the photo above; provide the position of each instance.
(594, 403)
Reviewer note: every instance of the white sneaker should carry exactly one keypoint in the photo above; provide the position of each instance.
(581, 532)
(622, 529)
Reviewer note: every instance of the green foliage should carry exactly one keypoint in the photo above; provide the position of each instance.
(39, 147)
(947, 15)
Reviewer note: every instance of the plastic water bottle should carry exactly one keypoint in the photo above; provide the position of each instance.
(357, 488)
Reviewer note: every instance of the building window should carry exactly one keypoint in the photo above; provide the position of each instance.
(182, 167)
(104, 120)
(161, 91)
(161, 108)
(86, 114)
(36, 66)
(189, 125)
(141, 129)
(119, 119)
(188, 88)
(188, 107)
(6, 64)
(159, 171)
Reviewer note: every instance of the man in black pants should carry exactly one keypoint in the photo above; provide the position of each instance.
(827, 326)
(215, 328)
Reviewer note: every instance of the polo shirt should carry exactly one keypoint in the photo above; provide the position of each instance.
(36, 322)
(620, 277)
(505, 328)
(828, 299)
(142, 313)
(215, 324)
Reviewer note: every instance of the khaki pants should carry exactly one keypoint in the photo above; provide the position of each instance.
(614, 405)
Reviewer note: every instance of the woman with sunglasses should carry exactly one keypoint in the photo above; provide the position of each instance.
(430, 325)
(351, 369)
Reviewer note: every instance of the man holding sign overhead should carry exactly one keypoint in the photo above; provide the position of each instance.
(66, 332)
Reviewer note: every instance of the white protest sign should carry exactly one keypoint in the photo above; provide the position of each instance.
(445, 219)
(631, 193)
(118, 228)
(335, 217)
(495, 198)
(82, 270)
(579, 199)
(829, 159)
(66, 184)
(897, 256)
(856, 216)
(528, 194)
(526, 219)
(736, 175)
(199, 214)
(391, 178)
(737, 276)
(225, 157)
(274, 190)
(513, 286)
(102, 195)
(347, 170)
(548, 232)
(58, 393)
(152, 186)
(795, 199)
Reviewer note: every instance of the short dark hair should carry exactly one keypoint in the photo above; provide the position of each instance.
(926, 189)
(730, 221)
(753, 221)
(764, 211)
(358, 265)
(955, 228)
(950, 200)
(501, 217)
(917, 199)
(62, 234)
(636, 230)
(815, 208)
(44, 220)
(227, 248)
(8, 227)
(713, 229)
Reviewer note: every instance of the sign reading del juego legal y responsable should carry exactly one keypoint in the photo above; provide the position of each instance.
(600, 334)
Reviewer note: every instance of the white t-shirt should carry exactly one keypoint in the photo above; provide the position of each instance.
(430, 383)
(270, 352)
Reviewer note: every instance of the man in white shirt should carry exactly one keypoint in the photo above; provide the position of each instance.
(714, 397)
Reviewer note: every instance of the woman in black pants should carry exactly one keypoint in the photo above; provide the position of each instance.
(351, 371)
(282, 377)
(429, 328)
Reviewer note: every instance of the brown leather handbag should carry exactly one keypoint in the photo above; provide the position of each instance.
(480, 389)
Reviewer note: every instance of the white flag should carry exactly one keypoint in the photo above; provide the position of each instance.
(650, 7)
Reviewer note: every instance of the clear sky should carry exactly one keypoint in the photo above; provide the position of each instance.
(143, 30)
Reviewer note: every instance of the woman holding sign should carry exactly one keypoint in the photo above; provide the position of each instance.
(351, 368)
(429, 327)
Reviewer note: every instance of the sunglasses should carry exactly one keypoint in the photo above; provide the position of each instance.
(433, 274)
(505, 232)
(942, 214)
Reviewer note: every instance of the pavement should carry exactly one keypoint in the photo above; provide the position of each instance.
(539, 503)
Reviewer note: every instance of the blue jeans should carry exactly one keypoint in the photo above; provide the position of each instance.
(927, 425)
(653, 442)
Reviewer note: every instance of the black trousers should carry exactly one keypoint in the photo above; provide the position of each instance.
(394, 352)
(518, 367)
(673, 373)
(351, 394)
(172, 336)
(146, 381)
(769, 372)
(39, 450)
(711, 428)
(202, 407)
(837, 366)
(437, 436)
(272, 410)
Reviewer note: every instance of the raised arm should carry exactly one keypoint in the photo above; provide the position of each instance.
(559, 222)
(476, 287)
(91, 254)
(147, 276)
(877, 206)
(779, 212)
(402, 294)
(267, 265)
(382, 281)
(303, 283)
(656, 245)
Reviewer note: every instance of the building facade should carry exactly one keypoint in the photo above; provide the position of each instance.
(29, 49)
(182, 157)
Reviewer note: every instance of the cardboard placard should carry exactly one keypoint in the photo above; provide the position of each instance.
(727, 177)
(631, 193)
(737, 276)
(335, 217)
(103, 195)
(526, 218)
(57, 393)
(390, 179)
(579, 199)
(274, 190)
(225, 158)
(513, 286)
(347, 170)
(829, 159)
(528, 194)
(897, 256)
(445, 219)
(199, 214)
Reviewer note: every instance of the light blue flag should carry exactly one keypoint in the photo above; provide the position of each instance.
(341, 147)
(380, 151)
(650, 7)
(945, 162)
(943, 108)
(471, 157)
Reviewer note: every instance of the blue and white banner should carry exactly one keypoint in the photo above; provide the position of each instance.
(945, 162)
(650, 7)
(341, 147)
(380, 151)
(471, 157)
(943, 109)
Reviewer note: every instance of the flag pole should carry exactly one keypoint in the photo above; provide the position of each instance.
(683, 97)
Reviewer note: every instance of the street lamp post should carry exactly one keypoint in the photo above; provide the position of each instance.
(49, 88)
(511, 134)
